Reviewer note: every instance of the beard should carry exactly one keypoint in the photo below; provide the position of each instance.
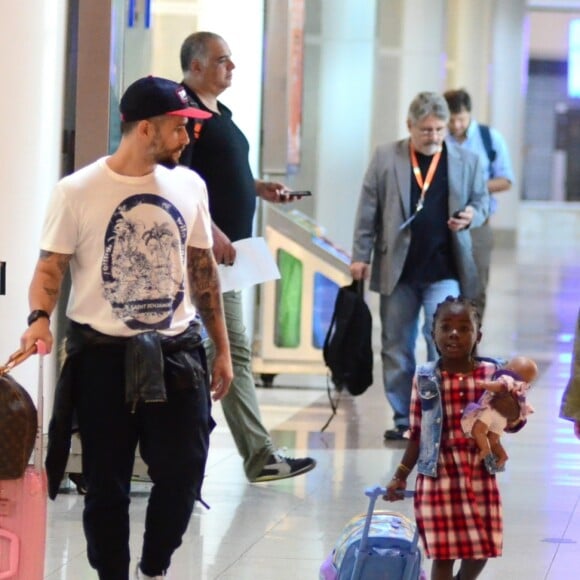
(168, 162)
(164, 155)
(430, 149)
(169, 159)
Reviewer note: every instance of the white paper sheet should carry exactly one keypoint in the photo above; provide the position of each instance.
(254, 264)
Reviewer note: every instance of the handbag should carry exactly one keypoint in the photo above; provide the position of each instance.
(18, 422)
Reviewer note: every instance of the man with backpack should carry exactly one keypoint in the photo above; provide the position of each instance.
(491, 147)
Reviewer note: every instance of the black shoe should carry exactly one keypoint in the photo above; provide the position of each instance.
(281, 467)
(79, 481)
(397, 434)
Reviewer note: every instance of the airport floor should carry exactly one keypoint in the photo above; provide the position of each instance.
(284, 530)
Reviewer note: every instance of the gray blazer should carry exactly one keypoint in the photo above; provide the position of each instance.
(385, 204)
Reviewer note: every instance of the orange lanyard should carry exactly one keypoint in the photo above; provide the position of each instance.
(423, 185)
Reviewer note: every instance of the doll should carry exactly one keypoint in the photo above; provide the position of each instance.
(503, 405)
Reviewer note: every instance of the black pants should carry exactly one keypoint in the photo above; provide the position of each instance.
(173, 439)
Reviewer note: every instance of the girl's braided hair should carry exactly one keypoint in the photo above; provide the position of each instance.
(469, 304)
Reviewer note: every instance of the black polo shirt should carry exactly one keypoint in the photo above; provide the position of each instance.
(220, 155)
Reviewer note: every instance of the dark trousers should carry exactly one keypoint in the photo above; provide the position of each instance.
(173, 439)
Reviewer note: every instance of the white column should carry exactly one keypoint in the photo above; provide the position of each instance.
(508, 80)
(469, 49)
(410, 58)
(345, 102)
(241, 24)
(374, 58)
(487, 58)
(32, 42)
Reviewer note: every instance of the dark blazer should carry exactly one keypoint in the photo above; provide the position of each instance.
(385, 204)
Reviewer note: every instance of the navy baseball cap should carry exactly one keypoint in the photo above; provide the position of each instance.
(152, 96)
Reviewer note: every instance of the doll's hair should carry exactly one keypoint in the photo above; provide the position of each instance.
(466, 302)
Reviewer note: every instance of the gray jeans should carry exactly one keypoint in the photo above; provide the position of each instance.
(240, 406)
(482, 242)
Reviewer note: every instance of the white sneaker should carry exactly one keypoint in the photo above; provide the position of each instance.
(279, 466)
(139, 575)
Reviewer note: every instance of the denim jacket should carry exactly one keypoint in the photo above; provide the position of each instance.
(429, 390)
(428, 379)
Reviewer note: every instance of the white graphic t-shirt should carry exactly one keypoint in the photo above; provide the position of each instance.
(129, 237)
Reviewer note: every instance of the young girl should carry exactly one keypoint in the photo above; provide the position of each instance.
(457, 503)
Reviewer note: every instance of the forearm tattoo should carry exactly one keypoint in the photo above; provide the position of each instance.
(204, 283)
(53, 267)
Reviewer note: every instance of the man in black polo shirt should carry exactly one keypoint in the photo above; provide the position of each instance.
(418, 198)
(219, 153)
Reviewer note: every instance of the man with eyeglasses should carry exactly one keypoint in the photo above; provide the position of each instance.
(491, 147)
(418, 199)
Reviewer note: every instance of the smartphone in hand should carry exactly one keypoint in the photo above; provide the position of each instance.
(296, 194)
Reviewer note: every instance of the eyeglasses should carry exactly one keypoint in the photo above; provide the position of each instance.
(425, 132)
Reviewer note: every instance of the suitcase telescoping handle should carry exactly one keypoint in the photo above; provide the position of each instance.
(373, 493)
(39, 443)
(15, 359)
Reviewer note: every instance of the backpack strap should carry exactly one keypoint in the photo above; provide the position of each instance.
(485, 133)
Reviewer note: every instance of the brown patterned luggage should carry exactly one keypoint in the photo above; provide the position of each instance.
(23, 504)
(18, 423)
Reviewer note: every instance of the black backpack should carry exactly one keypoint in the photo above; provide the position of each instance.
(347, 347)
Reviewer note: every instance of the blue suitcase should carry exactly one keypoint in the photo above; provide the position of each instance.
(378, 545)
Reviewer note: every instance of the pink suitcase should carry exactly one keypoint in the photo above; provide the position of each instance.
(23, 506)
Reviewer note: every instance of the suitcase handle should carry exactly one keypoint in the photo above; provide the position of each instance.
(20, 356)
(13, 554)
(373, 493)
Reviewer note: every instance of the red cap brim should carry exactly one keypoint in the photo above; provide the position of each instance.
(192, 113)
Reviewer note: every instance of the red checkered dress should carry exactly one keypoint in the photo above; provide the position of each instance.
(459, 512)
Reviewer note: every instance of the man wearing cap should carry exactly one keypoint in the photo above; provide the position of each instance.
(134, 228)
(219, 153)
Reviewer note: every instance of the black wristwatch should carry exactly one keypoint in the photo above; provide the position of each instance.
(36, 314)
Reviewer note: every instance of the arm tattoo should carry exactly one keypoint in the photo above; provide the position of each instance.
(204, 282)
(60, 260)
(54, 267)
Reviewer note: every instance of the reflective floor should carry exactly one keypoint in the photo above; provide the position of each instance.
(284, 530)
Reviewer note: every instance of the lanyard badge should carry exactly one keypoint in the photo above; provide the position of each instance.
(423, 185)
